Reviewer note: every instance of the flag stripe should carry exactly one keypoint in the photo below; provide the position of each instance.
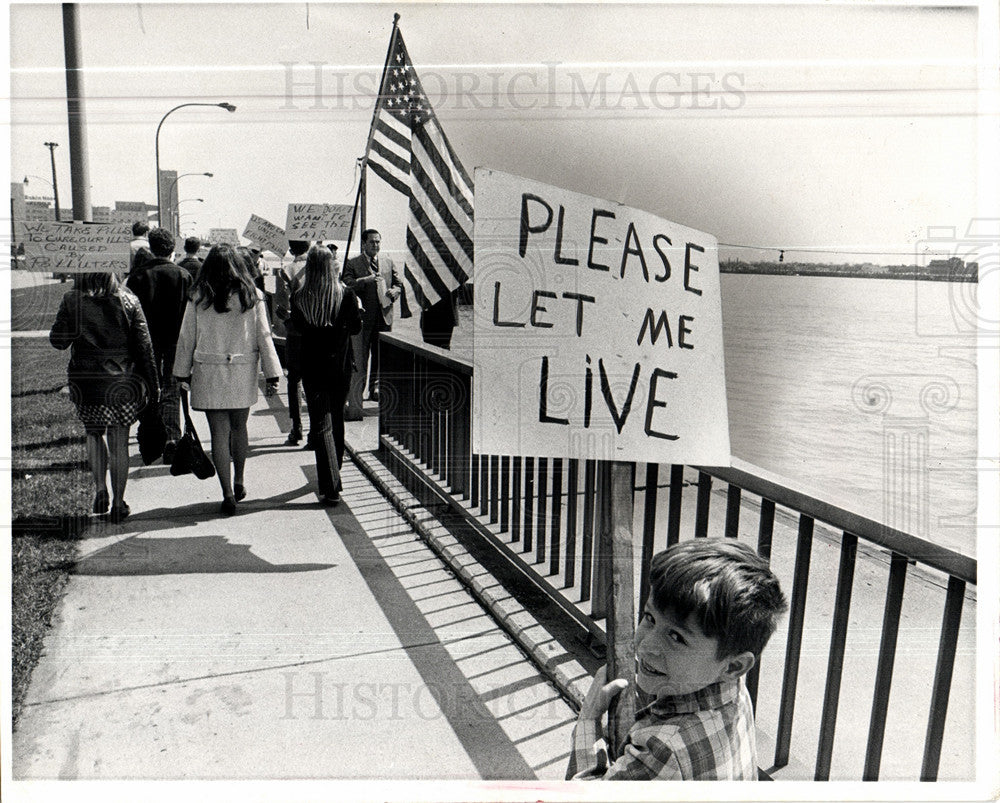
(431, 137)
(433, 283)
(431, 200)
(389, 178)
(392, 160)
(429, 237)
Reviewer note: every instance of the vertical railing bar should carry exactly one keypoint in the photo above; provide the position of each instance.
(765, 531)
(542, 516)
(950, 624)
(515, 502)
(835, 664)
(555, 545)
(474, 481)
(734, 496)
(505, 493)
(528, 541)
(494, 488)
(572, 479)
(587, 545)
(648, 530)
(601, 580)
(793, 645)
(886, 661)
(674, 509)
(484, 484)
(702, 505)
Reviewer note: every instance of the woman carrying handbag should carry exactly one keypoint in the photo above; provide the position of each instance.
(111, 376)
(325, 314)
(224, 339)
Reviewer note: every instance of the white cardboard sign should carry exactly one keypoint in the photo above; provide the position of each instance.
(74, 247)
(265, 234)
(598, 330)
(314, 222)
(224, 236)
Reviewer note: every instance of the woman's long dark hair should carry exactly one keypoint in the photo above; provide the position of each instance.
(223, 275)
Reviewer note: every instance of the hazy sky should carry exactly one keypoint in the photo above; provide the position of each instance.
(841, 127)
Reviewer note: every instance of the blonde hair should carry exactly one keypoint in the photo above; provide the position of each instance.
(320, 290)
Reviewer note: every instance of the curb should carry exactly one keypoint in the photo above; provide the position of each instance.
(569, 676)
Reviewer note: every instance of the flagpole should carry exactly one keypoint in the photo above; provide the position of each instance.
(362, 194)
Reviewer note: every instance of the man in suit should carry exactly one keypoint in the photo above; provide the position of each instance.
(377, 284)
(162, 288)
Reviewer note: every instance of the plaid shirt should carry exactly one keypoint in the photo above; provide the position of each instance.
(705, 736)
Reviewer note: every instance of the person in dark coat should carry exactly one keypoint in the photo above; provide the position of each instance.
(191, 263)
(325, 315)
(438, 321)
(162, 288)
(111, 373)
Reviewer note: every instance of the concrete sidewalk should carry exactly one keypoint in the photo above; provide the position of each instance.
(288, 641)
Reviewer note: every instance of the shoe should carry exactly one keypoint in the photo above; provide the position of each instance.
(101, 502)
(119, 513)
(330, 500)
(310, 444)
(373, 396)
(228, 506)
(169, 450)
(294, 437)
(353, 417)
(239, 492)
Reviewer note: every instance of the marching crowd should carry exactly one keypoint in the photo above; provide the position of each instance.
(204, 329)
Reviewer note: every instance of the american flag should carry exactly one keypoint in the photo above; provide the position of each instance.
(408, 149)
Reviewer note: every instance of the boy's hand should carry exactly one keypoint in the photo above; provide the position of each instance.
(600, 695)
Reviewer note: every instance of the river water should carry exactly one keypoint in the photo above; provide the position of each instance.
(860, 392)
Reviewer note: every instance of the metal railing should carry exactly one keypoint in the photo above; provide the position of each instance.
(543, 512)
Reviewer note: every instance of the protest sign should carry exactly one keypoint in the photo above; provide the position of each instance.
(597, 330)
(227, 236)
(265, 234)
(74, 247)
(314, 222)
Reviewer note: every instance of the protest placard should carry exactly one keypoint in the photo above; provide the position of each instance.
(314, 222)
(265, 234)
(227, 236)
(74, 247)
(597, 330)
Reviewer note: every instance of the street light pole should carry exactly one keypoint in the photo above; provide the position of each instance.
(229, 107)
(170, 191)
(55, 186)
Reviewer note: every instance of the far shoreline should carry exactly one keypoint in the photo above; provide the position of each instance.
(945, 271)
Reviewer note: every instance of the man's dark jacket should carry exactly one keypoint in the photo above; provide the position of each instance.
(162, 288)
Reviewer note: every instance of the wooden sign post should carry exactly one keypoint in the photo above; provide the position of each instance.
(615, 544)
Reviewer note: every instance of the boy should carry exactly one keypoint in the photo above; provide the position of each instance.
(713, 605)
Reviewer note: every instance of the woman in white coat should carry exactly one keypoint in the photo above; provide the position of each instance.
(224, 336)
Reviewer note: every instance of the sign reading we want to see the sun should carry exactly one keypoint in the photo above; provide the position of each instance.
(598, 330)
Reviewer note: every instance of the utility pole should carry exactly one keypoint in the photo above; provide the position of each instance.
(78, 161)
(55, 185)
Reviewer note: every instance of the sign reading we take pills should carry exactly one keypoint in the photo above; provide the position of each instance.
(598, 330)
(74, 247)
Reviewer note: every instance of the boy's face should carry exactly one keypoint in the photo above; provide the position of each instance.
(673, 656)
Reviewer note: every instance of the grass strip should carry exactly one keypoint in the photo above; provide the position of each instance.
(51, 495)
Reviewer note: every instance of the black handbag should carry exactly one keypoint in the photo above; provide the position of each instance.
(190, 458)
(152, 435)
